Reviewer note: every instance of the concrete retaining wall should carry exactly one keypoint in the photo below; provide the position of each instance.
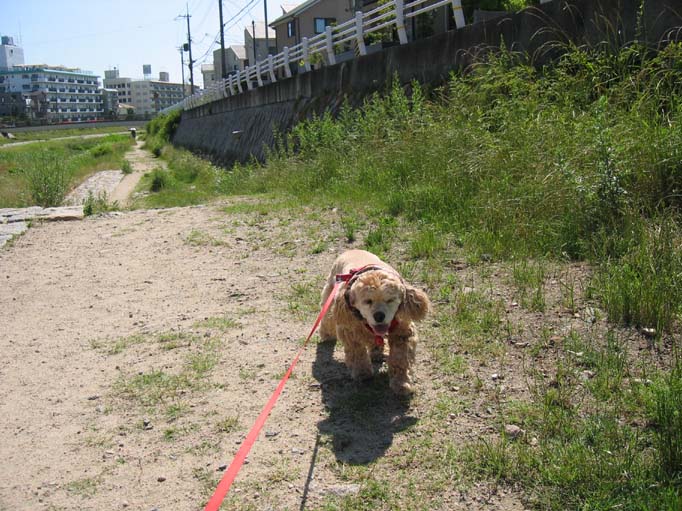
(238, 128)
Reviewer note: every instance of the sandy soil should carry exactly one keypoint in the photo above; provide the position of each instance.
(71, 439)
(139, 347)
(141, 162)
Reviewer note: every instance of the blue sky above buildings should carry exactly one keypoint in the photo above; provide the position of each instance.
(97, 35)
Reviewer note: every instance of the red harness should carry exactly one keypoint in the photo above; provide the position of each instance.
(349, 278)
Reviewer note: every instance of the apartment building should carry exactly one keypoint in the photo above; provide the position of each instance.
(110, 103)
(147, 97)
(12, 104)
(152, 96)
(123, 86)
(68, 94)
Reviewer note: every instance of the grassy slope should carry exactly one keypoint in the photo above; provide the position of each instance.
(529, 168)
(55, 167)
(22, 136)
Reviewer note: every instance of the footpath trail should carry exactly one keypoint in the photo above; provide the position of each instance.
(117, 186)
(141, 162)
(86, 418)
(114, 184)
(139, 346)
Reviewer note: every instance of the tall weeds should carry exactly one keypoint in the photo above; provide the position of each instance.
(47, 178)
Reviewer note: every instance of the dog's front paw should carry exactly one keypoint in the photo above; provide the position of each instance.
(401, 387)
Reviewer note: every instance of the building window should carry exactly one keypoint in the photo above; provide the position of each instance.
(322, 23)
(291, 28)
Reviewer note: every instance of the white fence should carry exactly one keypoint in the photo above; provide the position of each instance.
(322, 48)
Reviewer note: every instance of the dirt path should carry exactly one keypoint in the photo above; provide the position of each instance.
(141, 162)
(139, 347)
(69, 440)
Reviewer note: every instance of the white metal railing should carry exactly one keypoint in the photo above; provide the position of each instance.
(322, 48)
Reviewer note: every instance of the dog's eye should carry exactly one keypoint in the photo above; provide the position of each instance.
(368, 302)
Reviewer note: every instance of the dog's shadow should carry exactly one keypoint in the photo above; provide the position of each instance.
(363, 417)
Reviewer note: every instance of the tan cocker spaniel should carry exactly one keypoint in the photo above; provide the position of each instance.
(375, 302)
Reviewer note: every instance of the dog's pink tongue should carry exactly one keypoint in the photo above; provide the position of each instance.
(380, 329)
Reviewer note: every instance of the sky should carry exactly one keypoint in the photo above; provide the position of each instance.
(97, 35)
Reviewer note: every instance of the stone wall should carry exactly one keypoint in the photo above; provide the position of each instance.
(238, 128)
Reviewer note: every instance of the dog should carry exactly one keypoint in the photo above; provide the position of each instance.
(375, 302)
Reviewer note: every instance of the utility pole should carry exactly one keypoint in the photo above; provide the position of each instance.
(189, 48)
(267, 43)
(182, 67)
(223, 73)
(253, 33)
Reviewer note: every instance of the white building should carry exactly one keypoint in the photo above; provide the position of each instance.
(68, 94)
(53, 93)
(147, 97)
(122, 85)
(10, 55)
(208, 72)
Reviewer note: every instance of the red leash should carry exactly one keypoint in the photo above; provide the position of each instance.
(243, 452)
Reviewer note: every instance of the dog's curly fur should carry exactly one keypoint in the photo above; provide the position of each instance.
(375, 298)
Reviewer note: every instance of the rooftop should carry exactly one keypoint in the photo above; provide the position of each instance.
(290, 11)
(33, 68)
(260, 30)
(239, 50)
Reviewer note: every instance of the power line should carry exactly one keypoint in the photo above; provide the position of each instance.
(234, 20)
(99, 34)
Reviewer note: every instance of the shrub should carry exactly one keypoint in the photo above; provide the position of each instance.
(163, 126)
(99, 204)
(47, 178)
(126, 167)
(101, 150)
(159, 180)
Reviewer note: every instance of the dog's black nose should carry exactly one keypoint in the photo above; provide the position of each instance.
(379, 316)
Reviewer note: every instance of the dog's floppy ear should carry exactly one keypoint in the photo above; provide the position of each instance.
(343, 314)
(416, 304)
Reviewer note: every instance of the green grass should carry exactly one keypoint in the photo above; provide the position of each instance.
(197, 238)
(227, 425)
(526, 168)
(113, 347)
(25, 136)
(99, 204)
(529, 279)
(304, 298)
(41, 174)
(642, 287)
(222, 323)
(156, 387)
(86, 487)
(584, 447)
